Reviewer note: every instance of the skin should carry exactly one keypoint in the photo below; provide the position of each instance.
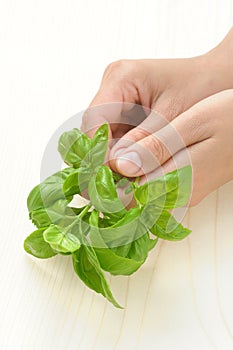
(188, 109)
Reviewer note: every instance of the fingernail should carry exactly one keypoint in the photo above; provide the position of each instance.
(118, 152)
(129, 163)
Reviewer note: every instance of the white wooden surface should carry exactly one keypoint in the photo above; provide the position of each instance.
(52, 57)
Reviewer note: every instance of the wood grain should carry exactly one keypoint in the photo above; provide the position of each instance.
(53, 55)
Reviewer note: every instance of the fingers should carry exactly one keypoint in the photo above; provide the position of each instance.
(149, 125)
(97, 115)
(202, 159)
(207, 132)
(107, 106)
(150, 152)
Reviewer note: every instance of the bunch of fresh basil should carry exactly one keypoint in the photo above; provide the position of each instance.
(103, 235)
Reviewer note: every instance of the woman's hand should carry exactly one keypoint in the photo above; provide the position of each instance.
(166, 89)
(205, 133)
(168, 86)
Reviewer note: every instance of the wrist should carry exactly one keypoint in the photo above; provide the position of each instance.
(218, 65)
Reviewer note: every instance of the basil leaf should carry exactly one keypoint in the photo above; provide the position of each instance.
(140, 247)
(45, 216)
(58, 213)
(123, 231)
(109, 261)
(74, 147)
(116, 264)
(168, 228)
(49, 191)
(170, 191)
(149, 214)
(35, 245)
(103, 194)
(61, 240)
(88, 268)
(110, 237)
(71, 184)
(99, 146)
(77, 181)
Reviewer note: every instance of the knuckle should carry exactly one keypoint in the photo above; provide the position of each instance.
(140, 134)
(156, 147)
(120, 68)
(114, 66)
(198, 125)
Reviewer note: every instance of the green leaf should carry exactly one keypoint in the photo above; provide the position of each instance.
(124, 230)
(110, 237)
(49, 191)
(170, 191)
(99, 146)
(58, 213)
(149, 214)
(168, 228)
(108, 259)
(74, 147)
(77, 181)
(139, 248)
(35, 245)
(71, 184)
(129, 234)
(45, 216)
(103, 194)
(61, 240)
(116, 264)
(88, 268)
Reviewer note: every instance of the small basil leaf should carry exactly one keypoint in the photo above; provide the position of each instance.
(71, 184)
(77, 181)
(140, 248)
(168, 228)
(74, 147)
(49, 191)
(116, 264)
(152, 243)
(129, 189)
(103, 194)
(124, 230)
(149, 214)
(109, 261)
(99, 146)
(35, 245)
(123, 182)
(88, 268)
(169, 191)
(116, 177)
(61, 240)
(55, 214)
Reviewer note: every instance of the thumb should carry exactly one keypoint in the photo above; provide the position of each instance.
(152, 151)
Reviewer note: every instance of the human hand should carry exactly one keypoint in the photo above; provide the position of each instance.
(168, 87)
(205, 132)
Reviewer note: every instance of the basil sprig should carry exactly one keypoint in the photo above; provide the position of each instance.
(103, 235)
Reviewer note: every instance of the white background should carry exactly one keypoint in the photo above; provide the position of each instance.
(52, 56)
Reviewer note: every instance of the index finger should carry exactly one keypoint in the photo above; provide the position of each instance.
(104, 108)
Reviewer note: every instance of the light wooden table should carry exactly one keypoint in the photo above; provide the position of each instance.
(52, 57)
